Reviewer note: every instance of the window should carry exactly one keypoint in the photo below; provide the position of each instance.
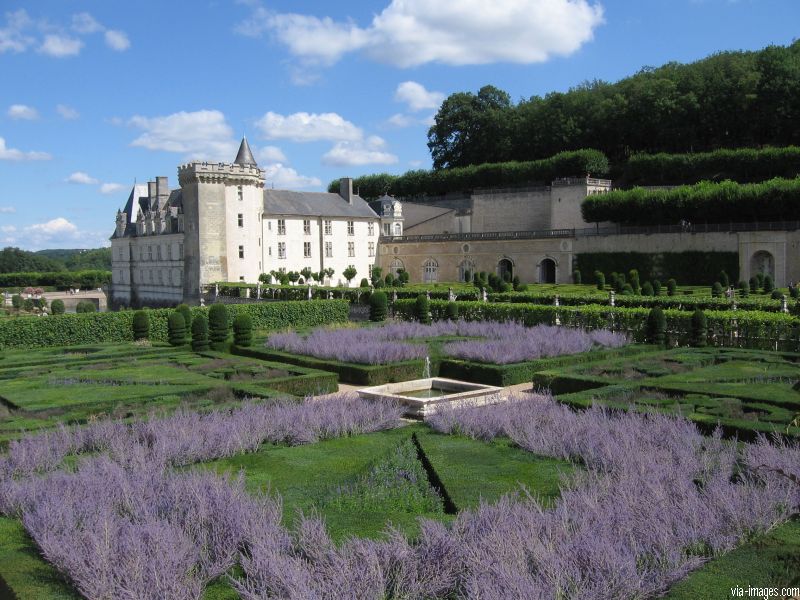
(396, 266)
(351, 228)
(240, 219)
(328, 227)
(307, 226)
(351, 249)
(328, 249)
(269, 225)
(269, 251)
(281, 226)
(371, 247)
(398, 229)
(158, 252)
(241, 278)
(180, 251)
(386, 229)
(281, 249)
(307, 249)
(430, 271)
(149, 253)
(240, 193)
(370, 229)
(241, 251)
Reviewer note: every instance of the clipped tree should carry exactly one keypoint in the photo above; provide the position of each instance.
(515, 282)
(57, 307)
(293, 277)
(404, 276)
(754, 285)
(389, 280)
(349, 273)
(16, 301)
(378, 306)
(176, 328)
(633, 276)
(716, 290)
(656, 326)
(451, 312)
(200, 333)
(647, 289)
(576, 276)
(672, 287)
(744, 289)
(699, 333)
(376, 275)
(85, 306)
(243, 330)
(760, 280)
(627, 290)
(656, 287)
(794, 291)
(186, 313)
(769, 284)
(600, 279)
(265, 278)
(141, 325)
(422, 309)
(724, 280)
(364, 283)
(306, 273)
(218, 327)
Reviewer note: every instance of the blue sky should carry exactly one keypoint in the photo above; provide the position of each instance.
(97, 94)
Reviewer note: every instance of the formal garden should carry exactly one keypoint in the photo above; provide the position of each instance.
(222, 452)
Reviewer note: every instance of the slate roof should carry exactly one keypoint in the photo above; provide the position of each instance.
(314, 204)
(414, 214)
(245, 156)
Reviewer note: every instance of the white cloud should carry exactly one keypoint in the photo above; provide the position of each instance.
(308, 127)
(8, 229)
(22, 112)
(270, 154)
(7, 210)
(14, 154)
(117, 40)
(60, 46)
(408, 33)
(12, 36)
(363, 152)
(85, 23)
(203, 134)
(401, 120)
(417, 97)
(283, 177)
(57, 226)
(67, 112)
(110, 188)
(81, 178)
(58, 232)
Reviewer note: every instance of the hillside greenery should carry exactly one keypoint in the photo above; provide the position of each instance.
(15, 260)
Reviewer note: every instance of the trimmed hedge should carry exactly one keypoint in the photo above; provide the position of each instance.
(704, 202)
(355, 373)
(354, 295)
(302, 382)
(746, 329)
(74, 329)
(575, 163)
(744, 165)
(690, 267)
(58, 279)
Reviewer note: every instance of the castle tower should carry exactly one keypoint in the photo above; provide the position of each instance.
(222, 205)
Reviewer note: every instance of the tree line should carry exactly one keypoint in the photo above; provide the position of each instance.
(14, 260)
(727, 100)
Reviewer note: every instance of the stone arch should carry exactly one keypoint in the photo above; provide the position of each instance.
(548, 269)
(466, 268)
(762, 262)
(396, 266)
(505, 269)
(430, 271)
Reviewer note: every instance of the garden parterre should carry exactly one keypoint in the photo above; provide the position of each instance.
(654, 499)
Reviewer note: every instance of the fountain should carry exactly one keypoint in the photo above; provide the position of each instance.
(422, 397)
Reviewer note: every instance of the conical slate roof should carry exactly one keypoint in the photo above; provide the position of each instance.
(245, 156)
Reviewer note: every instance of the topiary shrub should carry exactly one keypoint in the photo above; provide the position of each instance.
(186, 313)
(600, 279)
(515, 282)
(760, 280)
(794, 291)
(141, 325)
(724, 280)
(656, 287)
(633, 276)
(627, 290)
(769, 284)
(699, 333)
(176, 329)
(422, 309)
(716, 290)
(656, 332)
(451, 312)
(378, 303)
(243, 330)
(57, 307)
(576, 276)
(200, 333)
(776, 295)
(744, 289)
(754, 285)
(16, 301)
(85, 306)
(218, 327)
(647, 289)
(364, 283)
(672, 287)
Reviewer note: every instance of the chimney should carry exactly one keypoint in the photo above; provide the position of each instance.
(162, 190)
(346, 189)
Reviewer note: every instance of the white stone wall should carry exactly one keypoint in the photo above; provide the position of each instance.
(248, 236)
(148, 268)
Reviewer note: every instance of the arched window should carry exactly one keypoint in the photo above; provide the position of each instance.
(430, 271)
(762, 262)
(466, 270)
(398, 229)
(396, 266)
(547, 271)
(505, 270)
